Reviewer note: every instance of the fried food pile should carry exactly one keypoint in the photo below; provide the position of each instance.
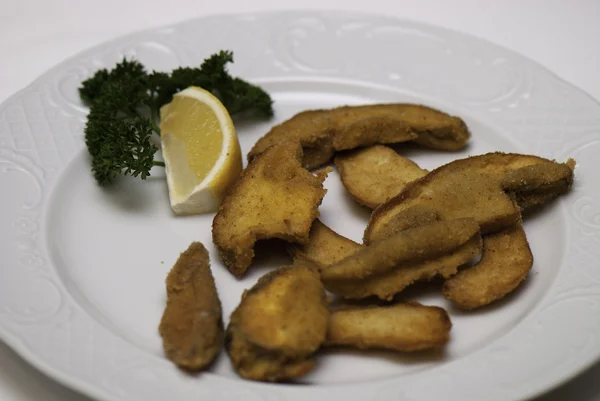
(385, 268)
(493, 189)
(460, 224)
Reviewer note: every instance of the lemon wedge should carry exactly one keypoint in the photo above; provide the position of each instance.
(201, 151)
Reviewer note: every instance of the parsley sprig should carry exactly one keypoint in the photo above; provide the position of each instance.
(125, 102)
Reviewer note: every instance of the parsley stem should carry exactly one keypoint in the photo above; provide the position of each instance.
(155, 125)
(157, 163)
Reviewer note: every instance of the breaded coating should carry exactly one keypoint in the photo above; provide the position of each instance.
(192, 325)
(375, 174)
(278, 325)
(506, 262)
(275, 197)
(415, 216)
(400, 327)
(536, 185)
(321, 132)
(407, 247)
(528, 201)
(470, 187)
(360, 127)
(385, 286)
(312, 128)
(325, 247)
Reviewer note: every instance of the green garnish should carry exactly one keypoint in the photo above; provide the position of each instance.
(124, 107)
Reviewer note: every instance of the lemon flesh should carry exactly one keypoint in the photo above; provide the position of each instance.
(201, 151)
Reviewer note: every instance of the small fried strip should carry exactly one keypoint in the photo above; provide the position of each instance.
(192, 325)
(374, 175)
(386, 286)
(279, 324)
(322, 132)
(275, 197)
(412, 245)
(506, 262)
(401, 327)
(325, 247)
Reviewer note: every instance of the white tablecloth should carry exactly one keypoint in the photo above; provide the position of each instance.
(38, 34)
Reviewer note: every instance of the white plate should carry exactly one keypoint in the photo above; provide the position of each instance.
(82, 268)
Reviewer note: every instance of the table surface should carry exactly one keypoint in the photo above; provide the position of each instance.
(38, 34)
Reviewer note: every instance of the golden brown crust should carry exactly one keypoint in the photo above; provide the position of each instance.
(275, 197)
(370, 131)
(386, 286)
(324, 247)
(536, 185)
(407, 247)
(322, 132)
(539, 177)
(468, 187)
(415, 216)
(506, 262)
(192, 326)
(312, 128)
(279, 324)
(427, 126)
(375, 174)
(402, 327)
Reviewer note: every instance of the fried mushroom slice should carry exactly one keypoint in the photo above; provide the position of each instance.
(506, 262)
(359, 126)
(278, 325)
(402, 327)
(325, 247)
(322, 132)
(385, 286)
(375, 174)
(407, 247)
(275, 197)
(192, 325)
(470, 187)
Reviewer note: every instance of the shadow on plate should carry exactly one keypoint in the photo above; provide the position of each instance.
(134, 195)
